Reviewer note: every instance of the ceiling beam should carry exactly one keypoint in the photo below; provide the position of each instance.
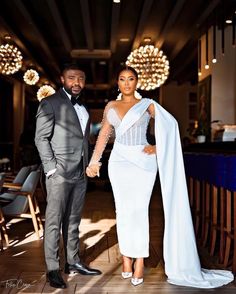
(189, 76)
(183, 64)
(34, 27)
(192, 31)
(142, 21)
(170, 22)
(115, 17)
(5, 29)
(29, 57)
(87, 24)
(96, 87)
(88, 54)
(60, 25)
(212, 5)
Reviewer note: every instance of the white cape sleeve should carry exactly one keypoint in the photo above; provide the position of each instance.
(182, 265)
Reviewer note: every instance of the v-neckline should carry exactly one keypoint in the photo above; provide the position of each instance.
(117, 113)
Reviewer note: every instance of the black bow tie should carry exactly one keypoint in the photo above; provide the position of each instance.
(75, 100)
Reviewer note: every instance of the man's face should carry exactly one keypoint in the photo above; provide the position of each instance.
(73, 81)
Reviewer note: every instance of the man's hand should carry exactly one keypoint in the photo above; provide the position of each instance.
(93, 170)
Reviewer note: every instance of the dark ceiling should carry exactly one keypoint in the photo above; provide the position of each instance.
(50, 32)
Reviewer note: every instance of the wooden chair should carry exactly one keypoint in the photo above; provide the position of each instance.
(24, 203)
(17, 181)
(3, 229)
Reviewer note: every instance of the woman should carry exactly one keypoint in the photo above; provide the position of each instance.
(132, 172)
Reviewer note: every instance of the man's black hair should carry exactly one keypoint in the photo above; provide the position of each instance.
(72, 65)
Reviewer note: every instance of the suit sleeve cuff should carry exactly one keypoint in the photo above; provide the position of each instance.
(51, 172)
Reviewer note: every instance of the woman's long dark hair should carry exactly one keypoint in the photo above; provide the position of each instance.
(126, 67)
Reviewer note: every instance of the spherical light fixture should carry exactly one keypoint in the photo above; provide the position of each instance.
(151, 65)
(31, 77)
(10, 59)
(45, 91)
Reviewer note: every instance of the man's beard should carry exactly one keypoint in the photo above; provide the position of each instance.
(69, 91)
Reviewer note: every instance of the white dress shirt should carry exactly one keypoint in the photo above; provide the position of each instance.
(81, 113)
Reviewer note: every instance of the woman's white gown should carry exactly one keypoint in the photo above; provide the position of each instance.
(132, 174)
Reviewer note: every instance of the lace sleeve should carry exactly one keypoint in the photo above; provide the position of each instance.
(103, 137)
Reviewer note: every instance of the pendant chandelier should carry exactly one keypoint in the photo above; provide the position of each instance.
(31, 77)
(10, 59)
(45, 91)
(151, 65)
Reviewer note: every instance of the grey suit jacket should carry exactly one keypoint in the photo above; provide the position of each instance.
(59, 136)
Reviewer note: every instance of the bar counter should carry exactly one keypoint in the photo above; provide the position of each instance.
(212, 147)
(211, 176)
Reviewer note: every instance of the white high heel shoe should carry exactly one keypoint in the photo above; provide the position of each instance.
(126, 275)
(136, 281)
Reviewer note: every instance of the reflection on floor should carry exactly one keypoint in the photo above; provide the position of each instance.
(22, 264)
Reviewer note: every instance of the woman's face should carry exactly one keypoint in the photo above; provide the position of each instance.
(127, 82)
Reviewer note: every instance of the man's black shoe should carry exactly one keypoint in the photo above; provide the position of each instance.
(55, 279)
(81, 269)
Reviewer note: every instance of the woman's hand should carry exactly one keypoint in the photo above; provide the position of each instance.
(150, 149)
(93, 170)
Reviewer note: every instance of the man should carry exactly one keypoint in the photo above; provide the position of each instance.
(62, 130)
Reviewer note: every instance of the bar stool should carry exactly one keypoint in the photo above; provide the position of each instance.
(195, 176)
(191, 169)
(200, 194)
(229, 232)
(197, 171)
(217, 181)
(188, 159)
(205, 198)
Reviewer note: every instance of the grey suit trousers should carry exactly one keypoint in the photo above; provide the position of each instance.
(65, 200)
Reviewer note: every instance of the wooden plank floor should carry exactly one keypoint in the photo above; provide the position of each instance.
(22, 268)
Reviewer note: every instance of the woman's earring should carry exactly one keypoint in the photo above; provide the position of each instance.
(137, 95)
(119, 97)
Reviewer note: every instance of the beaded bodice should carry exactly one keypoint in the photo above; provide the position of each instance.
(134, 135)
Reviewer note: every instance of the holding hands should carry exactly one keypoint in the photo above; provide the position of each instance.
(93, 169)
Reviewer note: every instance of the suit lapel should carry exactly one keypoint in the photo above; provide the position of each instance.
(71, 109)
